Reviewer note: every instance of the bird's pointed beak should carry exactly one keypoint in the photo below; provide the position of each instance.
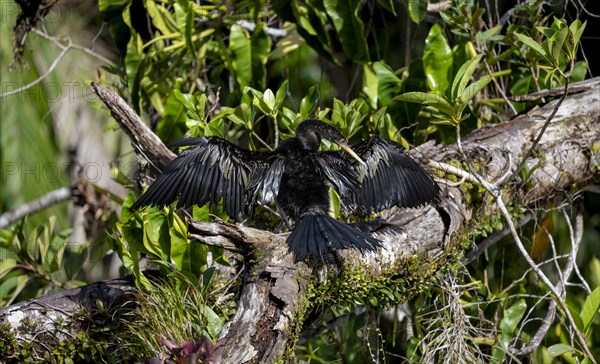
(351, 152)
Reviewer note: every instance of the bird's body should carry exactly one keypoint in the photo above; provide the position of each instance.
(378, 176)
(311, 195)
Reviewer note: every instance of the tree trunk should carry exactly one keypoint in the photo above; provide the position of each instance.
(417, 243)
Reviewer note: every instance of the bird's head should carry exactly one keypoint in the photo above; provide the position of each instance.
(311, 131)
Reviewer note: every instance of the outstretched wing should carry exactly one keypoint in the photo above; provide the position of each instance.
(390, 178)
(215, 169)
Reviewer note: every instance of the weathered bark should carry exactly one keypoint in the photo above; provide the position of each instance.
(417, 242)
(149, 148)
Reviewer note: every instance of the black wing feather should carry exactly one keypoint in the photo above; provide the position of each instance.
(390, 177)
(215, 169)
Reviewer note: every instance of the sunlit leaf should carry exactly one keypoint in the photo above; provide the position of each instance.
(179, 242)
(463, 76)
(213, 322)
(437, 60)
(489, 34)
(281, 94)
(310, 101)
(388, 84)
(512, 317)
(560, 349)
(239, 43)
(590, 308)
(531, 43)
(185, 22)
(474, 88)
(417, 9)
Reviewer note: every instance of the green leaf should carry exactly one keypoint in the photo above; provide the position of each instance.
(186, 99)
(310, 101)
(112, 5)
(417, 9)
(134, 68)
(560, 349)
(158, 17)
(474, 88)
(349, 26)
(419, 97)
(239, 44)
(74, 259)
(512, 317)
(281, 94)
(185, 21)
(155, 241)
(388, 5)
(56, 249)
(575, 311)
(388, 84)
(213, 322)
(269, 99)
(442, 122)
(6, 265)
(427, 98)
(437, 60)
(10, 287)
(489, 34)
(179, 241)
(560, 41)
(242, 116)
(463, 76)
(576, 29)
(263, 101)
(528, 41)
(594, 272)
(590, 308)
(172, 125)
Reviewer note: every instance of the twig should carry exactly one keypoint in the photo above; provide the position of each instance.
(575, 238)
(64, 49)
(544, 278)
(495, 81)
(557, 91)
(50, 199)
(57, 42)
(493, 239)
(42, 77)
(454, 170)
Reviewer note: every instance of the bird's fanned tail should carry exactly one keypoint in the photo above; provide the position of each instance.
(318, 234)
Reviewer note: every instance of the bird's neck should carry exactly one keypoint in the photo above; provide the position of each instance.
(300, 143)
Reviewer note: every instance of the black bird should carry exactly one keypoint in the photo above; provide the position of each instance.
(371, 176)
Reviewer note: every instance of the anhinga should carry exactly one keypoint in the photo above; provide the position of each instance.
(371, 176)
